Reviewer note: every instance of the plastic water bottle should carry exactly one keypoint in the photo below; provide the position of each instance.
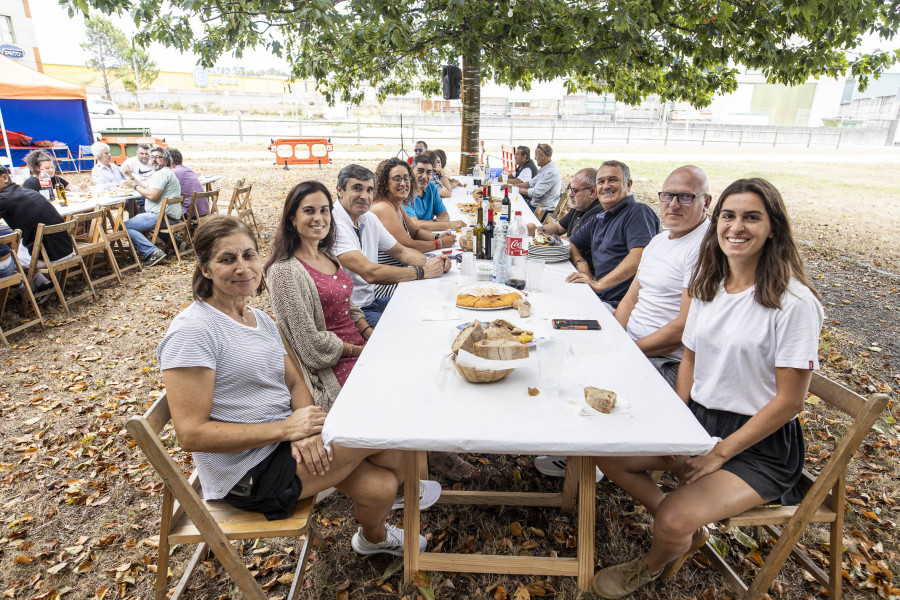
(476, 175)
(500, 268)
(46, 185)
(517, 252)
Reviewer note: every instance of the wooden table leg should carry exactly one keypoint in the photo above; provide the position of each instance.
(570, 486)
(587, 492)
(411, 514)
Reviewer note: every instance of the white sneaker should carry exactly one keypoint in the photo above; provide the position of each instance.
(429, 492)
(392, 544)
(555, 466)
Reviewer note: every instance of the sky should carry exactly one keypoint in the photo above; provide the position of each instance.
(50, 18)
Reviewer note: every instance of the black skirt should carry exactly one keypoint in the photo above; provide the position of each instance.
(276, 486)
(772, 466)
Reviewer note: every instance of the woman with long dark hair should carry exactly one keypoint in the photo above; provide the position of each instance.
(310, 293)
(751, 344)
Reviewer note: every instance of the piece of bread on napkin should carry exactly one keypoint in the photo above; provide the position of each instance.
(600, 400)
(467, 338)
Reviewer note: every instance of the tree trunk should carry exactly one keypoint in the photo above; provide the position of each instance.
(471, 113)
(102, 59)
(137, 79)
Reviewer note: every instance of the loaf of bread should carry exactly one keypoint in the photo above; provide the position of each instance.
(494, 349)
(467, 338)
(493, 332)
(600, 400)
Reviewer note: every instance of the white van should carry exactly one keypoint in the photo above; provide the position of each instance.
(98, 106)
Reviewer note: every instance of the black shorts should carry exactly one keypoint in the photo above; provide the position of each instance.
(771, 466)
(276, 486)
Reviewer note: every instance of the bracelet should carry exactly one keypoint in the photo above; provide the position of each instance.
(350, 354)
(580, 260)
(420, 273)
(437, 244)
(369, 327)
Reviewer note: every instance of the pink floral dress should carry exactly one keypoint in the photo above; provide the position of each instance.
(334, 294)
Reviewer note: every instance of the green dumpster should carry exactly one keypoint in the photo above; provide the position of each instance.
(125, 132)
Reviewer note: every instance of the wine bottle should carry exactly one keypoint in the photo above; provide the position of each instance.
(479, 232)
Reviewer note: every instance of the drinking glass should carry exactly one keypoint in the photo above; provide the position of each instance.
(534, 270)
(448, 290)
(553, 353)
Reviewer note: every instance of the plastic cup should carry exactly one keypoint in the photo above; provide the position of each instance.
(552, 356)
(534, 271)
(448, 289)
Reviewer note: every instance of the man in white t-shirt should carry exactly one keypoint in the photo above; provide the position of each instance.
(360, 236)
(655, 307)
(139, 166)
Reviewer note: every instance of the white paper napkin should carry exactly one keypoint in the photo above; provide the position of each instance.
(467, 359)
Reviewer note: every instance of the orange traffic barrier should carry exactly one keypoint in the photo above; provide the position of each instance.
(123, 148)
(509, 158)
(302, 151)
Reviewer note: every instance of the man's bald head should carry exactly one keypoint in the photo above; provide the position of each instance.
(681, 219)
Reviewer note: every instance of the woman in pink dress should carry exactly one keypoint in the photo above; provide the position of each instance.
(310, 293)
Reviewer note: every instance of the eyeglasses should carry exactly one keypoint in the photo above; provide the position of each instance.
(574, 190)
(157, 156)
(666, 197)
(398, 179)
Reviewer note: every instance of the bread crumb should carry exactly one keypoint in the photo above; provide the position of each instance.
(533, 391)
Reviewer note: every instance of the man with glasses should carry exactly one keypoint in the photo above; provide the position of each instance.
(656, 305)
(615, 238)
(543, 189)
(584, 203)
(427, 208)
(162, 184)
(421, 147)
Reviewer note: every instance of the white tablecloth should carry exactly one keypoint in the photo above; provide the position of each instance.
(392, 399)
(77, 204)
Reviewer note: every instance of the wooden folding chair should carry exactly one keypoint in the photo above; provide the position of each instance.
(822, 503)
(188, 519)
(85, 154)
(193, 217)
(562, 207)
(171, 229)
(240, 202)
(14, 281)
(117, 236)
(95, 242)
(62, 154)
(41, 263)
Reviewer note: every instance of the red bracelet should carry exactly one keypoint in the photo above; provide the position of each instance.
(437, 244)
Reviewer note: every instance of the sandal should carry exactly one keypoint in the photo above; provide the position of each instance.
(452, 466)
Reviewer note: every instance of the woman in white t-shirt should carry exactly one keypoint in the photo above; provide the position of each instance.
(751, 343)
(243, 409)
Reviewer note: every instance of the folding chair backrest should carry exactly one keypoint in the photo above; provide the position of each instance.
(117, 235)
(13, 281)
(212, 199)
(239, 198)
(822, 503)
(39, 256)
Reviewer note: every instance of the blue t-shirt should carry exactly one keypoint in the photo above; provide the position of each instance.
(611, 235)
(427, 206)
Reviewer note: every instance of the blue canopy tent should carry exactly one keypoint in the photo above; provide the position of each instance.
(41, 107)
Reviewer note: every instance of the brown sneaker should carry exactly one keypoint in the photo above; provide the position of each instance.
(621, 580)
(700, 538)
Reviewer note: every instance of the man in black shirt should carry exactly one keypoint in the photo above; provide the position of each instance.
(525, 167)
(24, 209)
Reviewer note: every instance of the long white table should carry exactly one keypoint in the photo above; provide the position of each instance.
(78, 203)
(392, 401)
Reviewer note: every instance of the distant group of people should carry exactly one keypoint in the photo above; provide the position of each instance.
(707, 293)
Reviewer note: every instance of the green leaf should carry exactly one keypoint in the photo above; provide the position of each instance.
(392, 568)
(743, 539)
(719, 545)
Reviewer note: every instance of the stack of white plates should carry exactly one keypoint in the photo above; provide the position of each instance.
(549, 253)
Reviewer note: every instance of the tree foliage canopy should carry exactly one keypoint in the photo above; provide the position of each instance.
(679, 49)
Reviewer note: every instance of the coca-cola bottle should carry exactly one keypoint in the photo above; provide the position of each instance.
(46, 184)
(516, 252)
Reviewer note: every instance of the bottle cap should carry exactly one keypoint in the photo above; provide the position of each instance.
(518, 213)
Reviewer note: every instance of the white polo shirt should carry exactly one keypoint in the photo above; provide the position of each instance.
(370, 238)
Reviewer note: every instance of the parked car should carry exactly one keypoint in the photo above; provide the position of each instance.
(100, 106)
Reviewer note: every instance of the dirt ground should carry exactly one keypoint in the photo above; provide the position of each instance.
(80, 505)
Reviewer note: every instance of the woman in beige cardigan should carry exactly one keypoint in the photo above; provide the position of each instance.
(310, 293)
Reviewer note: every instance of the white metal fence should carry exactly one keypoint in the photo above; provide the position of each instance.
(446, 132)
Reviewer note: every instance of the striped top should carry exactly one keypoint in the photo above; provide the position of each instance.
(387, 289)
(249, 385)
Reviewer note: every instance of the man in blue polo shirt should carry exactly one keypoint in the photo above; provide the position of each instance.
(428, 209)
(615, 238)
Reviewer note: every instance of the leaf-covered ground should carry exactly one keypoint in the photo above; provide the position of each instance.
(80, 505)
